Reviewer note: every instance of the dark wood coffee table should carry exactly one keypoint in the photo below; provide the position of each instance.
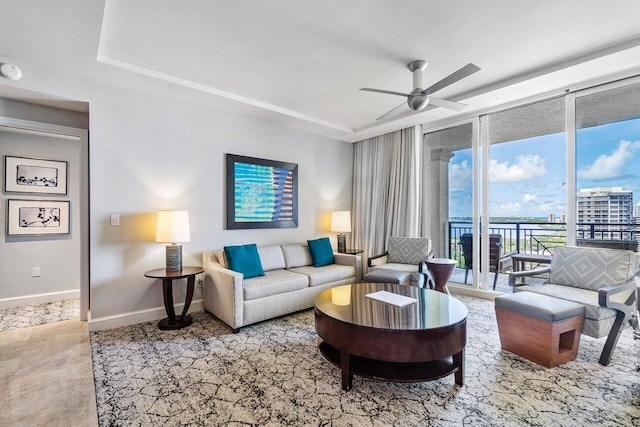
(419, 342)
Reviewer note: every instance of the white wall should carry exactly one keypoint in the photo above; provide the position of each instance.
(57, 256)
(149, 153)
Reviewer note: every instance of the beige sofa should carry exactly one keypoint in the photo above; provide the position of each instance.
(290, 283)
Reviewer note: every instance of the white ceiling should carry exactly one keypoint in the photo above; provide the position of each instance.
(301, 63)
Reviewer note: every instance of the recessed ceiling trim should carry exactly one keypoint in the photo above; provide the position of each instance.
(213, 91)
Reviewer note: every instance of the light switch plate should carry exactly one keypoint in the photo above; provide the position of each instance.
(115, 219)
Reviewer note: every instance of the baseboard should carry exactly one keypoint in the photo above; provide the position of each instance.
(39, 298)
(135, 317)
(472, 292)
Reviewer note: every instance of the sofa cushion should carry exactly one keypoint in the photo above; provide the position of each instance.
(297, 255)
(326, 274)
(585, 297)
(408, 250)
(411, 268)
(416, 277)
(592, 268)
(272, 283)
(271, 257)
(244, 259)
(321, 252)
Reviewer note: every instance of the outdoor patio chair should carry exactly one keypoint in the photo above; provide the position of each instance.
(405, 254)
(498, 262)
(603, 280)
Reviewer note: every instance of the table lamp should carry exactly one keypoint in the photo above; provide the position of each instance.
(341, 223)
(173, 227)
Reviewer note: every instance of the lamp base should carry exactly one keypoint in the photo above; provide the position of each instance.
(174, 258)
(342, 243)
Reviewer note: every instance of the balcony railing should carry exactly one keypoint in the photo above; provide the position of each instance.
(540, 237)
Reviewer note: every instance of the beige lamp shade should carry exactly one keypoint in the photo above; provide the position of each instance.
(173, 227)
(341, 222)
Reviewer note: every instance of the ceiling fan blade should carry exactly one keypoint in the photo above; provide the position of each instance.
(390, 92)
(393, 111)
(457, 106)
(463, 72)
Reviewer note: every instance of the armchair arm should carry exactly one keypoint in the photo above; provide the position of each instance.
(516, 274)
(621, 298)
(377, 259)
(508, 254)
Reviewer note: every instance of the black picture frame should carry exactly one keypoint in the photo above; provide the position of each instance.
(38, 217)
(261, 193)
(32, 175)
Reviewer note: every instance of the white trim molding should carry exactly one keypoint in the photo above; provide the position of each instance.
(141, 316)
(39, 298)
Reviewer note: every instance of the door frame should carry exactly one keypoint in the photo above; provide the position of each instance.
(82, 137)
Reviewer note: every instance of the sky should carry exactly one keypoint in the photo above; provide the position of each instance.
(527, 177)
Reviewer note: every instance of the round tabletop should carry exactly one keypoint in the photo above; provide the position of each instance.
(431, 310)
(162, 273)
(444, 261)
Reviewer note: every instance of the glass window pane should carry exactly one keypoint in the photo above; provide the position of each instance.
(527, 176)
(607, 154)
(450, 176)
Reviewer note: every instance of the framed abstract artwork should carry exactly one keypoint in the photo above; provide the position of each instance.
(37, 217)
(261, 193)
(26, 175)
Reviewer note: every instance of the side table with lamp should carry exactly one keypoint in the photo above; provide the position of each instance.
(173, 228)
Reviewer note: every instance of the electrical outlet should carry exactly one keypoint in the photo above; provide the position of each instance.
(35, 272)
(115, 219)
(200, 282)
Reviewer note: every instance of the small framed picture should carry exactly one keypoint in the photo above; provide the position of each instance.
(37, 217)
(26, 175)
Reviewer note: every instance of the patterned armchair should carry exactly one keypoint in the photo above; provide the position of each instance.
(603, 280)
(404, 254)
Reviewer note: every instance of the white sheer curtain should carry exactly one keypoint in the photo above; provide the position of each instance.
(386, 189)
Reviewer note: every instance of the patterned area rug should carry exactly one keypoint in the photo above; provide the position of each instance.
(33, 315)
(272, 374)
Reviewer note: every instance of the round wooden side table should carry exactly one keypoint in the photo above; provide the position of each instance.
(441, 269)
(167, 277)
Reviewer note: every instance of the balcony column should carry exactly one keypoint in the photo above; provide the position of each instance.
(438, 202)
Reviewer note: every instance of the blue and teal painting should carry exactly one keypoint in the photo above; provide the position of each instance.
(263, 193)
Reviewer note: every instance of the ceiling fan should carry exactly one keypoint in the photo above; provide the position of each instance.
(419, 98)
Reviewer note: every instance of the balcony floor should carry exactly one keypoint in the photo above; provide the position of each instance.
(501, 286)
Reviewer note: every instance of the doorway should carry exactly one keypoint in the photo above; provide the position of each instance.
(41, 268)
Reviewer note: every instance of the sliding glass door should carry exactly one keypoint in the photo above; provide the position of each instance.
(450, 208)
(607, 158)
(526, 174)
(536, 176)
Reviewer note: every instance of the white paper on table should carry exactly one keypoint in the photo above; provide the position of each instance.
(391, 298)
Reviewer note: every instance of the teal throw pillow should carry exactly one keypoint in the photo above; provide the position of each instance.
(244, 259)
(321, 252)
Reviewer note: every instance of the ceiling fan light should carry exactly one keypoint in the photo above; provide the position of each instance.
(418, 102)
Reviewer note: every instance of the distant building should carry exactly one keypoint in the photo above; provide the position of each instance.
(556, 219)
(636, 212)
(610, 206)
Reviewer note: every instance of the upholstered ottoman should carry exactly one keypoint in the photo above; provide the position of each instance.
(540, 328)
(380, 275)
